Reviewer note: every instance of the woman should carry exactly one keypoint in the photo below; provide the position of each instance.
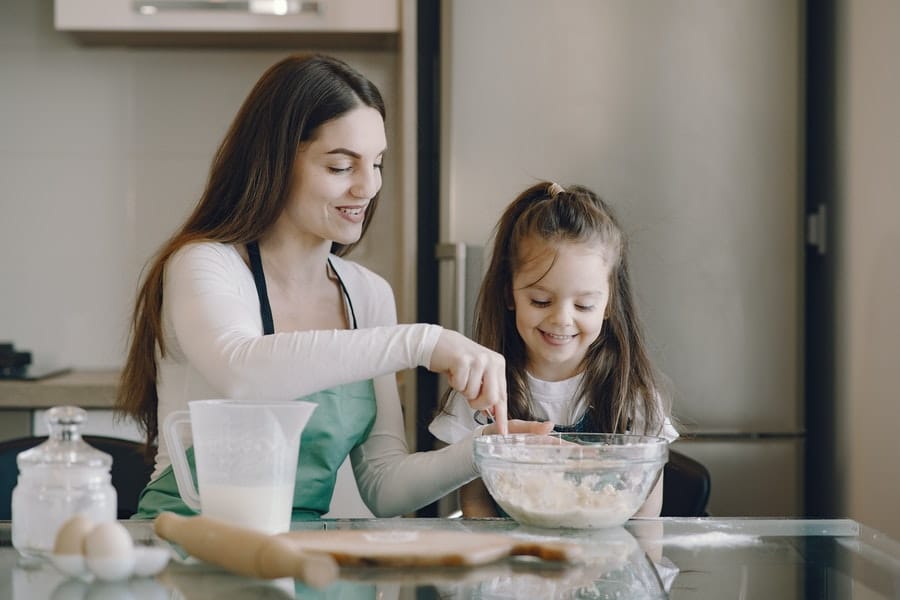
(251, 299)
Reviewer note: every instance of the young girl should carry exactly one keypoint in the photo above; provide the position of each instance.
(556, 301)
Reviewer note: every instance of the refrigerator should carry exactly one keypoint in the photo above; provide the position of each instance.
(687, 117)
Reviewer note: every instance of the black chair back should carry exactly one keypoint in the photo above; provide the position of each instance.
(686, 487)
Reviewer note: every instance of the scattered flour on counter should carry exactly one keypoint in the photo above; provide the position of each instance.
(712, 539)
(554, 500)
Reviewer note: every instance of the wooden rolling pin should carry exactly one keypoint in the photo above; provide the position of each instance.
(245, 551)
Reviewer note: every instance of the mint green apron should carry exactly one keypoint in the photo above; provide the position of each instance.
(341, 421)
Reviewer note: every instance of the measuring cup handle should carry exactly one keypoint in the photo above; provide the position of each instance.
(178, 456)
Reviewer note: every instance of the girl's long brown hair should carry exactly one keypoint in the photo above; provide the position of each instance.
(248, 186)
(620, 381)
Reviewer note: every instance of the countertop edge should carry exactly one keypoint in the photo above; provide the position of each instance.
(84, 388)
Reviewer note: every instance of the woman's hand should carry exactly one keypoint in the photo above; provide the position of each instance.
(474, 371)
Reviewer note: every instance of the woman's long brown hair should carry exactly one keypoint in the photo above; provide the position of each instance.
(248, 186)
(620, 381)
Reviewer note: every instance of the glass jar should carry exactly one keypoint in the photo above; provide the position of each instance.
(59, 478)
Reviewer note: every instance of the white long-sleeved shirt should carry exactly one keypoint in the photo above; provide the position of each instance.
(215, 348)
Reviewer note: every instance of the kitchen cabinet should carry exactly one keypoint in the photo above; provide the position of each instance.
(232, 22)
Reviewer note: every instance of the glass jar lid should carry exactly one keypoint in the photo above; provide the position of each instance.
(64, 446)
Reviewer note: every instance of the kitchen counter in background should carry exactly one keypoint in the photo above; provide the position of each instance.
(87, 389)
(22, 404)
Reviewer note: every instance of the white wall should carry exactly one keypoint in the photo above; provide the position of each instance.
(868, 374)
(103, 151)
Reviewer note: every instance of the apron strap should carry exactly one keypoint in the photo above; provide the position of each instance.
(259, 278)
(346, 295)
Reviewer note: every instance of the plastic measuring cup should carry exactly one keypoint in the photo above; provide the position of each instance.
(246, 459)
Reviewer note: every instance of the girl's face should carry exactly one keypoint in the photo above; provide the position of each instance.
(335, 176)
(560, 293)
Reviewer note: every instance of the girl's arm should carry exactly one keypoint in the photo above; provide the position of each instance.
(475, 501)
(652, 507)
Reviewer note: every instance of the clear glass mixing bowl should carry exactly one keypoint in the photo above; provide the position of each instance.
(570, 480)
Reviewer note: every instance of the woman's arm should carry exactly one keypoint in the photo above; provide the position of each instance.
(216, 325)
(211, 312)
(394, 482)
(391, 480)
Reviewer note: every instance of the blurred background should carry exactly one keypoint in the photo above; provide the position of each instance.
(749, 146)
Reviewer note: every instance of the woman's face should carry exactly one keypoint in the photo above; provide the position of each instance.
(335, 176)
(560, 293)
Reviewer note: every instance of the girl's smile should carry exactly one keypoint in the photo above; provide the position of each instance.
(556, 339)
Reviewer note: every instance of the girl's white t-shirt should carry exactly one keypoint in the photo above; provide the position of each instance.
(554, 401)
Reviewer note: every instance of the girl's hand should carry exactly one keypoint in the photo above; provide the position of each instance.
(474, 371)
(517, 426)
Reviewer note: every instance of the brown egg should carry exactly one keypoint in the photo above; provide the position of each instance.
(70, 537)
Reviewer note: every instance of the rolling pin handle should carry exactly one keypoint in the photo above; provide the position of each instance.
(279, 557)
(245, 551)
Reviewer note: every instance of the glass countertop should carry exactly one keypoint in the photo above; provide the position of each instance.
(710, 558)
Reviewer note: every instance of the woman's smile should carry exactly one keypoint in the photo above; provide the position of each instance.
(354, 214)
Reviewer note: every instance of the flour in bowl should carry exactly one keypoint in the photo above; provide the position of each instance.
(556, 500)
